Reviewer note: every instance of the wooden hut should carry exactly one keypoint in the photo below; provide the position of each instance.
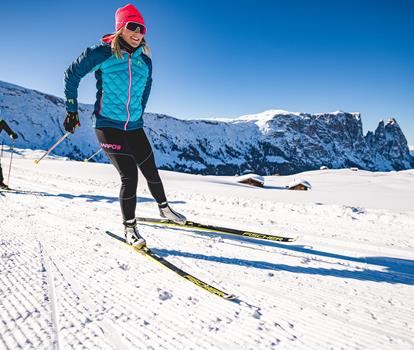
(252, 180)
(299, 185)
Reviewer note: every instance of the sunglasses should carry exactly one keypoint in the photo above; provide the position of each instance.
(136, 27)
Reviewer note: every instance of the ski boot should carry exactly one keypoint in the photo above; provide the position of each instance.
(167, 213)
(132, 235)
(3, 186)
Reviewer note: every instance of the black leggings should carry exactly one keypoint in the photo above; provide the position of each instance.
(126, 150)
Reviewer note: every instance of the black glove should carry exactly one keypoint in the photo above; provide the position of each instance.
(71, 121)
(13, 135)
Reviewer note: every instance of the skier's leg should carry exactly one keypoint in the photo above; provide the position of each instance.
(3, 186)
(115, 145)
(142, 151)
(1, 175)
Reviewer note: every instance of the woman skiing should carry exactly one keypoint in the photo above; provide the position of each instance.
(4, 126)
(123, 70)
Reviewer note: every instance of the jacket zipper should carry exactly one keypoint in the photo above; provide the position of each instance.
(129, 91)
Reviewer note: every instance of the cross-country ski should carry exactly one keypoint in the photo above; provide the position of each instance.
(148, 253)
(218, 229)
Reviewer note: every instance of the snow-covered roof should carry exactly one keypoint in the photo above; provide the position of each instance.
(300, 182)
(253, 177)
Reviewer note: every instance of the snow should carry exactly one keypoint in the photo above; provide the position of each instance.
(276, 159)
(262, 119)
(267, 115)
(346, 283)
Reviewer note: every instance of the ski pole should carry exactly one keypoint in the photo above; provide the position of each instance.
(53, 147)
(11, 160)
(93, 155)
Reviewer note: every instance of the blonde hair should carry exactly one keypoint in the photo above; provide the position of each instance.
(116, 47)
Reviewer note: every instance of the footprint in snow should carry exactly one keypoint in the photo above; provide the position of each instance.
(123, 266)
(257, 314)
(306, 260)
(164, 295)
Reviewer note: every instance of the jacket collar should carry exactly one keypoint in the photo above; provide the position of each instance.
(124, 45)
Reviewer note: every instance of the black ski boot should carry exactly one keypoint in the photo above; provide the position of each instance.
(3, 186)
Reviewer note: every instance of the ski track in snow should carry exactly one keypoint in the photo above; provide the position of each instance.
(346, 283)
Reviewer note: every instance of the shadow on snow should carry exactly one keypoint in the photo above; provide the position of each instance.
(88, 197)
(396, 270)
(388, 276)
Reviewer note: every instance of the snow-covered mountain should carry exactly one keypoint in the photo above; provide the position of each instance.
(389, 146)
(275, 141)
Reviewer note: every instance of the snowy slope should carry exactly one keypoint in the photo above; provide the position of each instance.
(346, 283)
(272, 142)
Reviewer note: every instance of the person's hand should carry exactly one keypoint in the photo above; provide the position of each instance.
(71, 121)
(13, 136)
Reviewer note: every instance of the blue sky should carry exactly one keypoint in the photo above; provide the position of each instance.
(225, 58)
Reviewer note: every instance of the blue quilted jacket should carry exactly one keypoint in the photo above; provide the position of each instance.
(123, 85)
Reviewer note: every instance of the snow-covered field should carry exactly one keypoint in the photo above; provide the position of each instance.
(346, 283)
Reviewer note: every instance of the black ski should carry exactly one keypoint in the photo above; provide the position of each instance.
(212, 228)
(148, 253)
